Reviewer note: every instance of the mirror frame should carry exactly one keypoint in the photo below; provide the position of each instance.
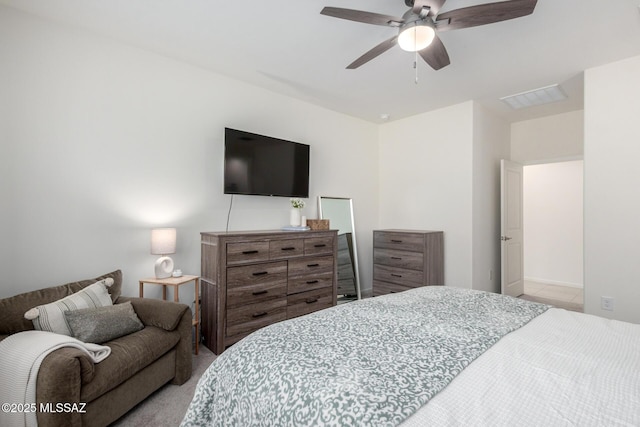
(353, 237)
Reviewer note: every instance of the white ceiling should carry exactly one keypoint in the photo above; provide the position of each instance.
(288, 47)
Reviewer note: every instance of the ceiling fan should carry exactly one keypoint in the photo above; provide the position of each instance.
(418, 26)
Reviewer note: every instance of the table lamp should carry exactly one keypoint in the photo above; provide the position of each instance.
(163, 242)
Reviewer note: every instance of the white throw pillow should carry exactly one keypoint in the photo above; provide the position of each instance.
(50, 317)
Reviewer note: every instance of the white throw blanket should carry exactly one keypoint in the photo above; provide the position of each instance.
(20, 357)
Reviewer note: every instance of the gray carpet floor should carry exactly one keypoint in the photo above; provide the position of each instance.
(167, 406)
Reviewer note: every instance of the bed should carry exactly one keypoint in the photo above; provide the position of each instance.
(438, 356)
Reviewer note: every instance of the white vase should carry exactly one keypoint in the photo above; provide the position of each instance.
(294, 218)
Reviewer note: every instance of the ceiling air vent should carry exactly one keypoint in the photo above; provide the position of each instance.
(544, 95)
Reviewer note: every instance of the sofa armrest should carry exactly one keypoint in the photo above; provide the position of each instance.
(184, 358)
(154, 312)
(60, 380)
(168, 316)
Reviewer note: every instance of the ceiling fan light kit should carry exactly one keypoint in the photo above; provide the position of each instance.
(416, 36)
(419, 26)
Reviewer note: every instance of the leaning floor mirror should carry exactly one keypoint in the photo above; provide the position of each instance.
(339, 212)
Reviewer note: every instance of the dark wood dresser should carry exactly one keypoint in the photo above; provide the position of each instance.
(405, 259)
(253, 279)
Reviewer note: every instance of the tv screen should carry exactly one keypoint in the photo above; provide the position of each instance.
(261, 165)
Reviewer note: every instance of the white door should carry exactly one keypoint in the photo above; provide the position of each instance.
(511, 247)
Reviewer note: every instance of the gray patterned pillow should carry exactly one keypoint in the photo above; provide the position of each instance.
(102, 324)
(50, 317)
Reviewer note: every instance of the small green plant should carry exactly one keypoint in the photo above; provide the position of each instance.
(297, 203)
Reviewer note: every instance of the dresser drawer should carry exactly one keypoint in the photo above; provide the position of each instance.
(250, 317)
(402, 241)
(263, 273)
(318, 246)
(310, 273)
(306, 283)
(384, 288)
(254, 283)
(245, 252)
(310, 266)
(279, 249)
(400, 259)
(401, 276)
(308, 302)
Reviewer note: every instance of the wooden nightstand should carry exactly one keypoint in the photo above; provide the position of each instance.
(176, 282)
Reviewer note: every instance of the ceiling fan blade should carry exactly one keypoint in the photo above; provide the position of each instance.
(362, 16)
(433, 5)
(435, 54)
(484, 14)
(376, 51)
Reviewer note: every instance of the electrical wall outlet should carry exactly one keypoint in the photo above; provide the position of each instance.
(606, 303)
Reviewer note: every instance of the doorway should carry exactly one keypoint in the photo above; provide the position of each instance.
(553, 233)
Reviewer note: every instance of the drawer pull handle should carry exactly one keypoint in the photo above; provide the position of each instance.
(396, 241)
(260, 292)
(289, 248)
(396, 257)
(262, 313)
(249, 252)
(313, 265)
(396, 275)
(311, 300)
(311, 282)
(320, 245)
(260, 273)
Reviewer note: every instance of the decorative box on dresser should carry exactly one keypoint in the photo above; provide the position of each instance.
(253, 279)
(405, 259)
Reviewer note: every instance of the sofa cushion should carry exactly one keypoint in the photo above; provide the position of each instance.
(101, 324)
(12, 309)
(129, 354)
(152, 312)
(50, 317)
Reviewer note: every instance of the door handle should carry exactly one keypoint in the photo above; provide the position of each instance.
(505, 238)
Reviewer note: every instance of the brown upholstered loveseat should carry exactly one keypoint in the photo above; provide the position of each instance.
(139, 363)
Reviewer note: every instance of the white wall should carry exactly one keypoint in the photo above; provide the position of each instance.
(612, 183)
(101, 142)
(551, 138)
(490, 144)
(440, 171)
(553, 223)
(425, 181)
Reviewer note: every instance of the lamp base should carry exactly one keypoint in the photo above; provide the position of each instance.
(163, 267)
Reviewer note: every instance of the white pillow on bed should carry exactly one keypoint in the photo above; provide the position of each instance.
(50, 317)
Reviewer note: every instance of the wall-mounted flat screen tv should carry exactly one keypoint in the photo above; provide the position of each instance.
(264, 166)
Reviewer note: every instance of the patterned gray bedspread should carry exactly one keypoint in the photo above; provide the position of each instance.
(372, 362)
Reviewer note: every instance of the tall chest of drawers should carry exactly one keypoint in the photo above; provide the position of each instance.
(405, 259)
(253, 279)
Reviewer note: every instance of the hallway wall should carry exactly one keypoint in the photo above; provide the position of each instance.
(553, 223)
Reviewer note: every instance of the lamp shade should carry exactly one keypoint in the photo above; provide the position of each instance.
(163, 241)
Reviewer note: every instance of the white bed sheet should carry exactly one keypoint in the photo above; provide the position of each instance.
(561, 369)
